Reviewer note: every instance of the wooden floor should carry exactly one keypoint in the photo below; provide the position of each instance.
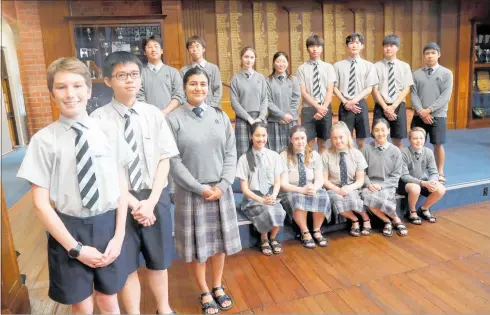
(439, 268)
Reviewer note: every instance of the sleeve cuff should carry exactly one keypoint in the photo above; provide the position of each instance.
(223, 185)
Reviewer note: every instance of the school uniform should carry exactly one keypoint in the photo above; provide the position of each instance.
(342, 167)
(417, 167)
(248, 95)
(317, 203)
(384, 168)
(58, 157)
(268, 165)
(160, 84)
(215, 90)
(316, 76)
(432, 89)
(353, 77)
(206, 143)
(153, 142)
(394, 76)
(283, 96)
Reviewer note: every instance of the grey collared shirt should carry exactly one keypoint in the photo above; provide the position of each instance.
(271, 162)
(403, 78)
(292, 168)
(50, 163)
(366, 76)
(154, 139)
(305, 78)
(354, 161)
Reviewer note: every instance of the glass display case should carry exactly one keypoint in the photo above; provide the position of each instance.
(480, 97)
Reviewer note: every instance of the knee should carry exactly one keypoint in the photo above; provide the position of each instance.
(441, 190)
(107, 303)
(413, 189)
(84, 307)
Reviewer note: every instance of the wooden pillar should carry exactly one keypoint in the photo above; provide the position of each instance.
(173, 36)
(15, 298)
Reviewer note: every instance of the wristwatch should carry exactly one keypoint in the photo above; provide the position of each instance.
(75, 252)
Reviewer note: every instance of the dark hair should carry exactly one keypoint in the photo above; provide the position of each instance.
(391, 40)
(314, 40)
(119, 58)
(155, 38)
(432, 45)
(277, 55)
(291, 157)
(249, 153)
(352, 38)
(195, 39)
(380, 120)
(194, 71)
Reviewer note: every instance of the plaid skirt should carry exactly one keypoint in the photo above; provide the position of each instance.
(263, 217)
(278, 135)
(242, 134)
(205, 228)
(383, 200)
(341, 204)
(317, 203)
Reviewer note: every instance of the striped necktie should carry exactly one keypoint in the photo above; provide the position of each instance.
(352, 79)
(134, 168)
(262, 176)
(391, 80)
(85, 169)
(301, 170)
(316, 82)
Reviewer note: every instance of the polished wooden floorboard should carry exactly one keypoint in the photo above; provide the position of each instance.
(441, 268)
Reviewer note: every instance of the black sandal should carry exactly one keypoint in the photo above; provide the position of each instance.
(356, 232)
(310, 243)
(321, 241)
(221, 299)
(400, 227)
(430, 218)
(276, 246)
(207, 305)
(414, 220)
(264, 247)
(366, 231)
(388, 229)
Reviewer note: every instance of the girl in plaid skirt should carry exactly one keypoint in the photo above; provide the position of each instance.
(283, 95)
(343, 172)
(303, 183)
(382, 175)
(248, 95)
(260, 172)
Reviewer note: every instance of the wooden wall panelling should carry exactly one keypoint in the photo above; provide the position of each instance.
(173, 35)
(417, 29)
(56, 36)
(463, 73)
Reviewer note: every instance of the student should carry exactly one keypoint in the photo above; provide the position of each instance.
(149, 222)
(248, 94)
(420, 177)
(355, 80)
(303, 183)
(161, 85)
(381, 180)
(316, 80)
(205, 215)
(196, 46)
(343, 174)
(259, 170)
(283, 100)
(395, 79)
(431, 93)
(78, 163)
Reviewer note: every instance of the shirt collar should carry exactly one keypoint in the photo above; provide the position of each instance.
(68, 122)
(386, 61)
(203, 106)
(433, 68)
(313, 62)
(384, 146)
(123, 110)
(157, 67)
(251, 72)
(203, 63)
(256, 152)
(356, 59)
(414, 151)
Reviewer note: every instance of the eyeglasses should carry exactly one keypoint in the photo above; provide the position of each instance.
(122, 76)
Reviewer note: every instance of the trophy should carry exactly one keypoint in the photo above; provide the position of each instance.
(105, 45)
(83, 53)
(119, 31)
(135, 50)
(101, 37)
(88, 30)
(487, 55)
(92, 51)
(137, 36)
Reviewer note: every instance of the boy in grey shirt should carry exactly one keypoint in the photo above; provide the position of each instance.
(196, 46)
(431, 92)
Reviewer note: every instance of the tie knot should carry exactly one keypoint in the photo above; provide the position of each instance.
(342, 154)
(353, 62)
(198, 111)
(391, 63)
(247, 74)
(430, 70)
(281, 77)
(300, 157)
(78, 127)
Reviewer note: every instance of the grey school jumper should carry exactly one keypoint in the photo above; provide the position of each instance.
(416, 170)
(248, 95)
(161, 87)
(283, 98)
(207, 149)
(384, 168)
(215, 91)
(432, 91)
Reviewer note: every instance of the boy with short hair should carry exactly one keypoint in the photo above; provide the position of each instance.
(161, 85)
(430, 96)
(78, 163)
(355, 80)
(196, 46)
(316, 80)
(420, 177)
(149, 227)
(395, 79)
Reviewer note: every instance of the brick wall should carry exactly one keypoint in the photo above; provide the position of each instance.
(30, 53)
(115, 7)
